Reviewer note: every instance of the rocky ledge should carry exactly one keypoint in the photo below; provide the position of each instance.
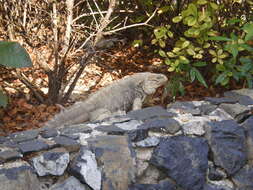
(198, 145)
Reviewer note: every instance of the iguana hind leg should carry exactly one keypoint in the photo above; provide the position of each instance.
(137, 104)
(100, 114)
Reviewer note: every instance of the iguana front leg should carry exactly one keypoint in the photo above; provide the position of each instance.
(137, 104)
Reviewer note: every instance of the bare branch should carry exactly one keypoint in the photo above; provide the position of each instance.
(132, 25)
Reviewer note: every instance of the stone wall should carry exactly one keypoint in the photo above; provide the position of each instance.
(199, 145)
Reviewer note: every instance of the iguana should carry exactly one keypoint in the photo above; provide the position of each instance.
(125, 94)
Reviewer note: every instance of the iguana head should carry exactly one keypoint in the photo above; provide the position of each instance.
(152, 81)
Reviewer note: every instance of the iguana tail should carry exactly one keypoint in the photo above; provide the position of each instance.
(78, 113)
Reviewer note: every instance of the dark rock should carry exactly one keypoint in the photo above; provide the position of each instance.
(48, 132)
(138, 135)
(18, 176)
(111, 130)
(53, 162)
(150, 113)
(85, 168)
(70, 183)
(184, 159)
(216, 187)
(215, 174)
(237, 111)
(227, 141)
(166, 125)
(24, 135)
(244, 178)
(207, 108)
(3, 139)
(243, 96)
(68, 143)
(116, 156)
(8, 155)
(184, 107)
(148, 142)
(248, 126)
(217, 101)
(163, 185)
(32, 146)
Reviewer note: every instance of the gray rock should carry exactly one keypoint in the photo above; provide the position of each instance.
(216, 187)
(17, 176)
(215, 173)
(248, 126)
(243, 96)
(217, 101)
(70, 183)
(192, 125)
(9, 154)
(184, 107)
(3, 139)
(148, 142)
(221, 114)
(163, 185)
(206, 109)
(53, 162)
(227, 141)
(166, 125)
(116, 156)
(129, 125)
(237, 111)
(184, 159)
(68, 143)
(24, 135)
(149, 113)
(48, 132)
(32, 146)
(85, 168)
(244, 178)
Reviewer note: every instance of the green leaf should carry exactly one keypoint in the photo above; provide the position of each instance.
(220, 38)
(221, 78)
(12, 54)
(249, 80)
(162, 53)
(201, 2)
(248, 28)
(233, 21)
(200, 64)
(3, 99)
(177, 19)
(233, 49)
(191, 20)
(200, 77)
(192, 74)
(214, 6)
(162, 43)
(164, 9)
(193, 9)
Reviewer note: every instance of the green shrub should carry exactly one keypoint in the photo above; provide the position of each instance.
(12, 54)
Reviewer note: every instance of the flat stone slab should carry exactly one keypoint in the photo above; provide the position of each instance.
(24, 136)
(150, 113)
(8, 155)
(217, 101)
(32, 146)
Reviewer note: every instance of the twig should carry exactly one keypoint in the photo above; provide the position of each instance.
(132, 25)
